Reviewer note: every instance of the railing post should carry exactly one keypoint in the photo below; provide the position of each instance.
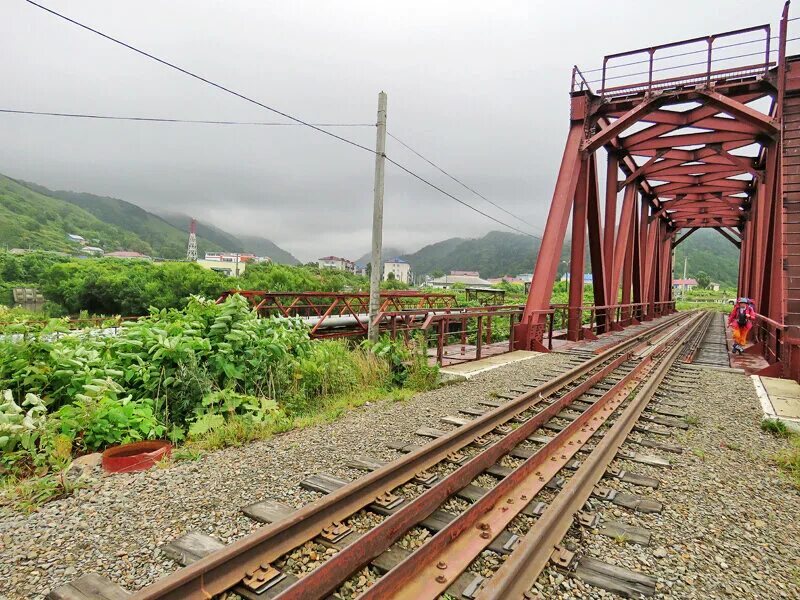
(550, 320)
(440, 343)
(478, 339)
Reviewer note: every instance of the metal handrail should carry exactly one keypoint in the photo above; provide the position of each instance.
(708, 74)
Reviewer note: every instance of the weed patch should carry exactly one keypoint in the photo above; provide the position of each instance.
(775, 427)
(789, 460)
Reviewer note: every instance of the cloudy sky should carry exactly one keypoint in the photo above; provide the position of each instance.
(478, 87)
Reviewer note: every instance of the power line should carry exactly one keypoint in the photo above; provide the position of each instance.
(274, 110)
(458, 181)
(459, 200)
(168, 120)
(200, 78)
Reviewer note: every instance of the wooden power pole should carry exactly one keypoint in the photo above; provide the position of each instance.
(376, 272)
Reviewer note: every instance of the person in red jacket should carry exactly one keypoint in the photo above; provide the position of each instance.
(741, 322)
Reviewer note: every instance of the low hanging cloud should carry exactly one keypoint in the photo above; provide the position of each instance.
(479, 88)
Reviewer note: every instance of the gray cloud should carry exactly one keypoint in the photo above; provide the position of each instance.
(481, 88)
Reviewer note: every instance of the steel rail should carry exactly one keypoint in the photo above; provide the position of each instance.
(430, 570)
(514, 578)
(693, 345)
(225, 568)
(327, 577)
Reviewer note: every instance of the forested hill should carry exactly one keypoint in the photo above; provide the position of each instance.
(707, 250)
(164, 239)
(136, 229)
(499, 253)
(494, 255)
(29, 219)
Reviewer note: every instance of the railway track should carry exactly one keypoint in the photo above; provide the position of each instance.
(512, 478)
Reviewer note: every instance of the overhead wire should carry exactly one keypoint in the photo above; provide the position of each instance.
(170, 120)
(265, 106)
(200, 77)
(298, 121)
(459, 200)
(454, 178)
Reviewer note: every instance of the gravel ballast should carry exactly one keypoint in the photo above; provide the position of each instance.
(730, 527)
(116, 526)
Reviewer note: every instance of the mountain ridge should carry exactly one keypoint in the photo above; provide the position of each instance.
(160, 235)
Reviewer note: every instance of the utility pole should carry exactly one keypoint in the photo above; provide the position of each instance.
(377, 221)
(685, 263)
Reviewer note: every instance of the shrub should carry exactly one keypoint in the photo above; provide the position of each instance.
(105, 418)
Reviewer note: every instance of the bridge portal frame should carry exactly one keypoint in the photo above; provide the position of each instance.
(674, 154)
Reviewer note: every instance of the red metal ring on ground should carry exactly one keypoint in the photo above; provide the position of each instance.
(138, 456)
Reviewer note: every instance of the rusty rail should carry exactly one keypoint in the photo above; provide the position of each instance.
(224, 569)
(536, 548)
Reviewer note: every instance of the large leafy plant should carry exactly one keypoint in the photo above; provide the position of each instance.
(21, 428)
(102, 416)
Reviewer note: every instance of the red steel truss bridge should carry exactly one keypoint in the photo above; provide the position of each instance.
(701, 133)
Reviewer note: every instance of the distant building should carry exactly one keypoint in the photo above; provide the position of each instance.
(230, 269)
(465, 273)
(128, 254)
(400, 268)
(336, 262)
(519, 279)
(78, 239)
(684, 285)
(94, 250)
(230, 257)
(714, 287)
(587, 277)
(360, 269)
(449, 281)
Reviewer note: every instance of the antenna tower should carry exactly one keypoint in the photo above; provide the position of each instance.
(191, 251)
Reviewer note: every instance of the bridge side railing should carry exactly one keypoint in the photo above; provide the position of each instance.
(770, 335)
(694, 61)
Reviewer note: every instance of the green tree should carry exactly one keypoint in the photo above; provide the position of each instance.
(703, 280)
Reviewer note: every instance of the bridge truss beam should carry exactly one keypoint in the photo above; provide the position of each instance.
(700, 149)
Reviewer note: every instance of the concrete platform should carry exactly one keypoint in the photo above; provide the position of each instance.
(780, 399)
(470, 369)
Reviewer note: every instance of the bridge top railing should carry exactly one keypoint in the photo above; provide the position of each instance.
(730, 54)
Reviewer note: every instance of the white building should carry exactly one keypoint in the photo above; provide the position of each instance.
(336, 262)
(449, 281)
(400, 268)
(230, 257)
